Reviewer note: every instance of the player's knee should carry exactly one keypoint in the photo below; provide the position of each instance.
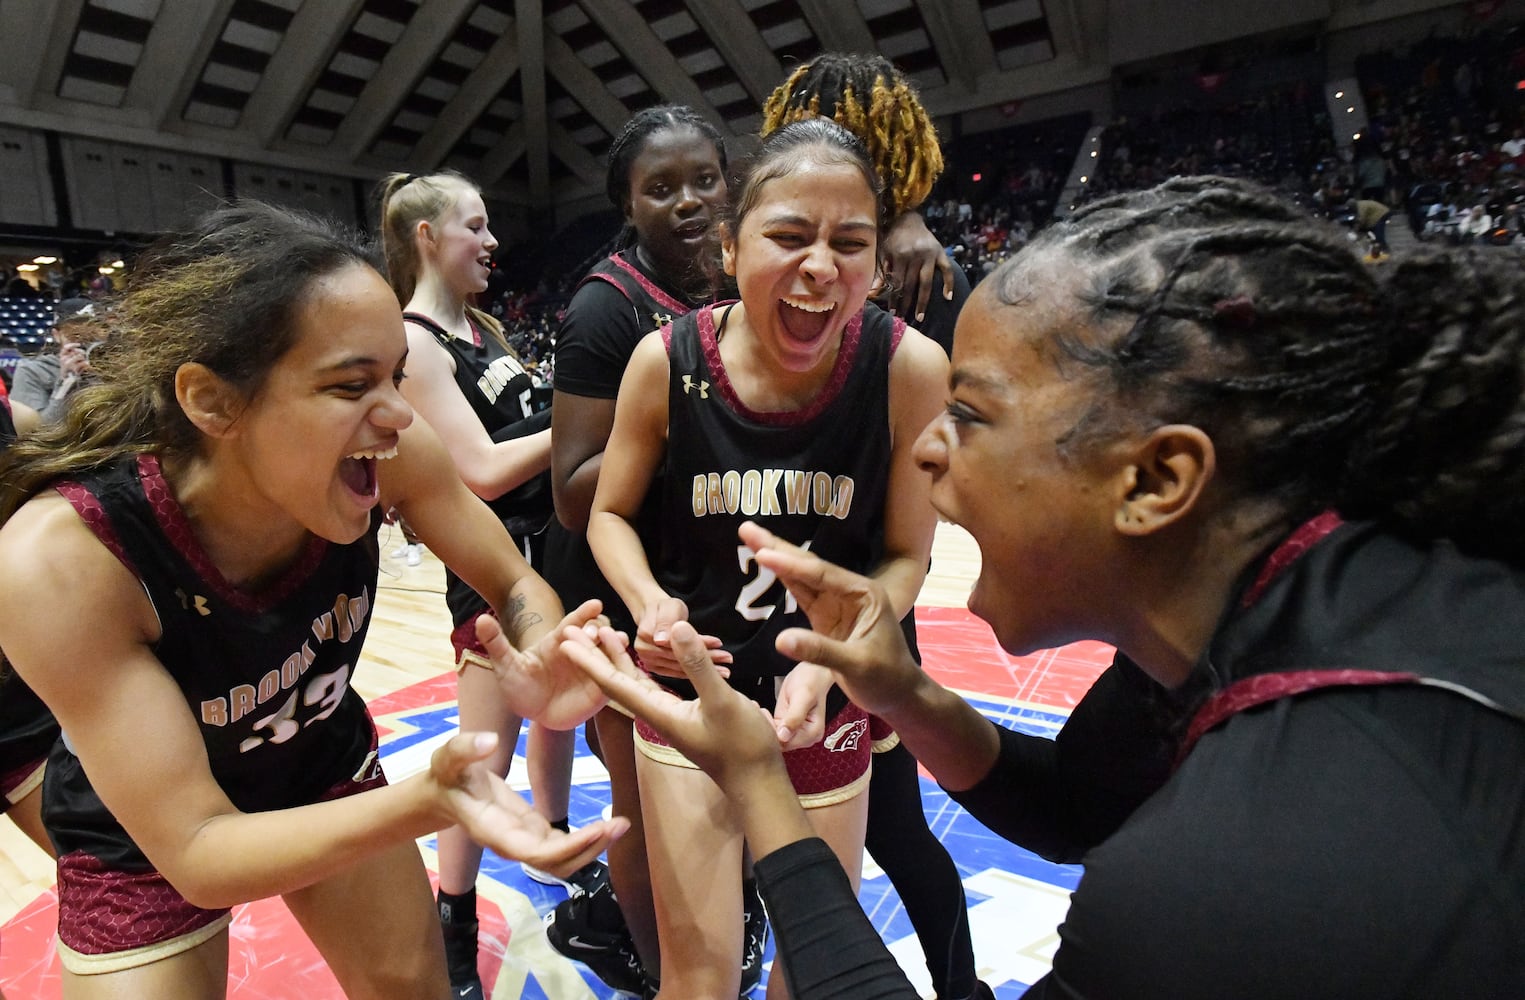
(404, 972)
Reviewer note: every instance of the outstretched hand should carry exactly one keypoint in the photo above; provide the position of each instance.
(727, 734)
(539, 683)
(496, 817)
(854, 630)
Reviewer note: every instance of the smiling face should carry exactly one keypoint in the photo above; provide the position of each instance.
(1041, 514)
(461, 244)
(311, 436)
(805, 258)
(676, 188)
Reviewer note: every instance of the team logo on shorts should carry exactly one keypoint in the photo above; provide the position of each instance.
(846, 739)
(703, 387)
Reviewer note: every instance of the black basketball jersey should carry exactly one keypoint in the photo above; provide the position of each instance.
(492, 380)
(570, 566)
(499, 391)
(266, 677)
(817, 477)
(654, 306)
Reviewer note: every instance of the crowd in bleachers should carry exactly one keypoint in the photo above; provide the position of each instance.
(1445, 144)
(1279, 139)
(1447, 138)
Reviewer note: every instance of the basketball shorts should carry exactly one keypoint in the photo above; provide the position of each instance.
(110, 920)
(832, 771)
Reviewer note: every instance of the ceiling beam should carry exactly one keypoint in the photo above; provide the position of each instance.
(571, 153)
(529, 26)
(628, 31)
(176, 49)
(54, 38)
(398, 73)
(584, 85)
(310, 39)
(475, 96)
(30, 37)
(733, 33)
(961, 39)
(502, 156)
(839, 26)
(1067, 29)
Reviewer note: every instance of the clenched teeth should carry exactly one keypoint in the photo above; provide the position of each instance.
(385, 453)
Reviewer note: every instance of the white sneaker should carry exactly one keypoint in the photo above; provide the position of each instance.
(401, 551)
(415, 554)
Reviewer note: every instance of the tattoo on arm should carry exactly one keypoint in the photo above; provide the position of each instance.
(519, 619)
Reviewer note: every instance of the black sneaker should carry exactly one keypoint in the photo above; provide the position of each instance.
(585, 881)
(610, 954)
(461, 960)
(754, 941)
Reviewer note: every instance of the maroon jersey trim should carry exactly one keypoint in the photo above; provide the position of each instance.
(1289, 551)
(93, 514)
(177, 528)
(852, 337)
(650, 287)
(1249, 692)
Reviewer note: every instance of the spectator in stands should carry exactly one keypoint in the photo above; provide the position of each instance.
(1514, 146)
(1474, 225)
(46, 381)
(1371, 218)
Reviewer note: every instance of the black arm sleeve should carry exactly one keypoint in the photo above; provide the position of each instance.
(1059, 798)
(829, 948)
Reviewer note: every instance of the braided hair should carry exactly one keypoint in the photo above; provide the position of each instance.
(622, 155)
(869, 97)
(632, 139)
(1390, 393)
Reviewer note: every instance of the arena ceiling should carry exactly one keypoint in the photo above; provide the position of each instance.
(524, 96)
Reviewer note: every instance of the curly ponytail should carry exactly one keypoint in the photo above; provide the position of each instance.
(1444, 455)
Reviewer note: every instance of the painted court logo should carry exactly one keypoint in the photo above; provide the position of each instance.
(847, 738)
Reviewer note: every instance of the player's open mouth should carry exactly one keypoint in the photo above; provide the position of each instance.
(358, 472)
(804, 319)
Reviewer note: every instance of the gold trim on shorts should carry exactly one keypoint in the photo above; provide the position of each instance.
(621, 709)
(887, 744)
(674, 757)
(135, 958)
(471, 658)
(32, 782)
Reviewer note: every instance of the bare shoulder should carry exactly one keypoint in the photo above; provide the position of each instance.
(46, 539)
(918, 358)
(64, 595)
(649, 360)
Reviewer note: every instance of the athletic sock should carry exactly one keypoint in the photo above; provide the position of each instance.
(460, 909)
(562, 824)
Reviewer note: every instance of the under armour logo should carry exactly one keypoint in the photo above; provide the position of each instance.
(661, 319)
(193, 601)
(703, 387)
(846, 738)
